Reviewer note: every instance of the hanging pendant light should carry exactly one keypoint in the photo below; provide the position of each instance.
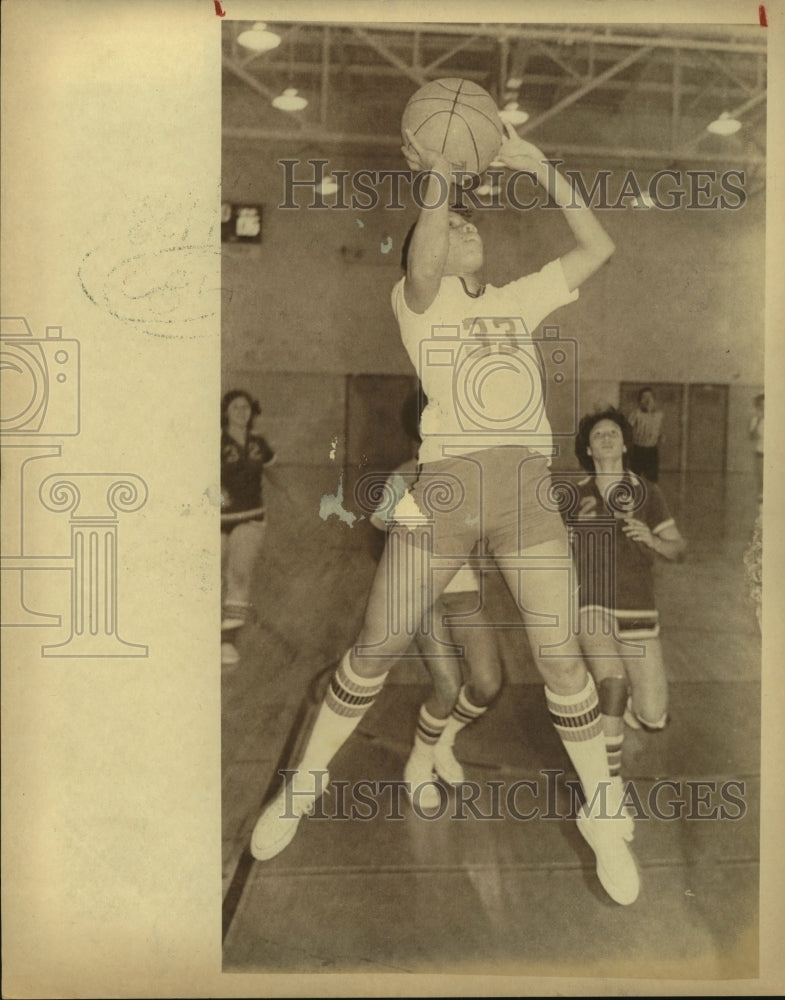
(726, 124)
(259, 38)
(488, 190)
(289, 100)
(329, 185)
(512, 114)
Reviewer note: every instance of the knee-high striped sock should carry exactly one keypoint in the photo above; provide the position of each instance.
(576, 718)
(429, 729)
(462, 714)
(612, 693)
(348, 698)
(613, 745)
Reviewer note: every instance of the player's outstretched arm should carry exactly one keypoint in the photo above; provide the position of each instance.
(594, 245)
(430, 239)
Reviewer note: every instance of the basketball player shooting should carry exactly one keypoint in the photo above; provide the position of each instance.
(442, 286)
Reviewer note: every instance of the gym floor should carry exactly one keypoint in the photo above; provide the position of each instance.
(466, 892)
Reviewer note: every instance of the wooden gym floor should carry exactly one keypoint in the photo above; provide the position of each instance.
(467, 892)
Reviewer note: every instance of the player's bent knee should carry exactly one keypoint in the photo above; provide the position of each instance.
(563, 676)
(443, 698)
(481, 693)
(370, 666)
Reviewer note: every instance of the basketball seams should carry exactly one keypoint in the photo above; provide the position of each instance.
(471, 107)
(456, 95)
(478, 92)
(457, 100)
(473, 141)
(488, 118)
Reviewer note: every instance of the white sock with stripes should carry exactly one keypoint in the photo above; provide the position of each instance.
(348, 698)
(576, 718)
(428, 731)
(462, 714)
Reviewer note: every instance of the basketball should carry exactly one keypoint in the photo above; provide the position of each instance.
(457, 117)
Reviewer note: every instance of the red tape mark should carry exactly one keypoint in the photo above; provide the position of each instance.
(222, 13)
(762, 16)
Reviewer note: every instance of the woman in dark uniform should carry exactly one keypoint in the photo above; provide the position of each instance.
(244, 455)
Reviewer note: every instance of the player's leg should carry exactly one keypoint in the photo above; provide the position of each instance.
(445, 671)
(229, 654)
(244, 545)
(446, 677)
(605, 660)
(649, 688)
(544, 588)
(394, 614)
(483, 678)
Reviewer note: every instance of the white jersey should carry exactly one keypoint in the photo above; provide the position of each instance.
(479, 364)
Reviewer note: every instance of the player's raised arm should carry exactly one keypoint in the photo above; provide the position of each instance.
(430, 239)
(594, 245)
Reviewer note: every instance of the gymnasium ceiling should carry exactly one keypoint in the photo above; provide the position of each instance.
(640, 95)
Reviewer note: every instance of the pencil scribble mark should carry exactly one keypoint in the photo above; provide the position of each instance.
(160, 274)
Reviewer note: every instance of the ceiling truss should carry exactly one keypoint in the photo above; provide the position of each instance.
(575, 82)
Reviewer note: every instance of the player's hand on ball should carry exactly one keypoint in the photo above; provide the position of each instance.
(421, 158)
(520, 154)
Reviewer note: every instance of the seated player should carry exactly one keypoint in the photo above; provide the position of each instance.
(617, 593)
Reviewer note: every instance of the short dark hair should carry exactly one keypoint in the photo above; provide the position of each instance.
(230, 397)
(461, 210)
(587, 425)
(646, 388)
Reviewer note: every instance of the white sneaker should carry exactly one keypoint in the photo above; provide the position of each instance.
(616, 868)
(418, 775)
(446, 766)
(615, 798)
(276, 827)
(630, 718)
(229, 654)
(655, 727)
(636, 722)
